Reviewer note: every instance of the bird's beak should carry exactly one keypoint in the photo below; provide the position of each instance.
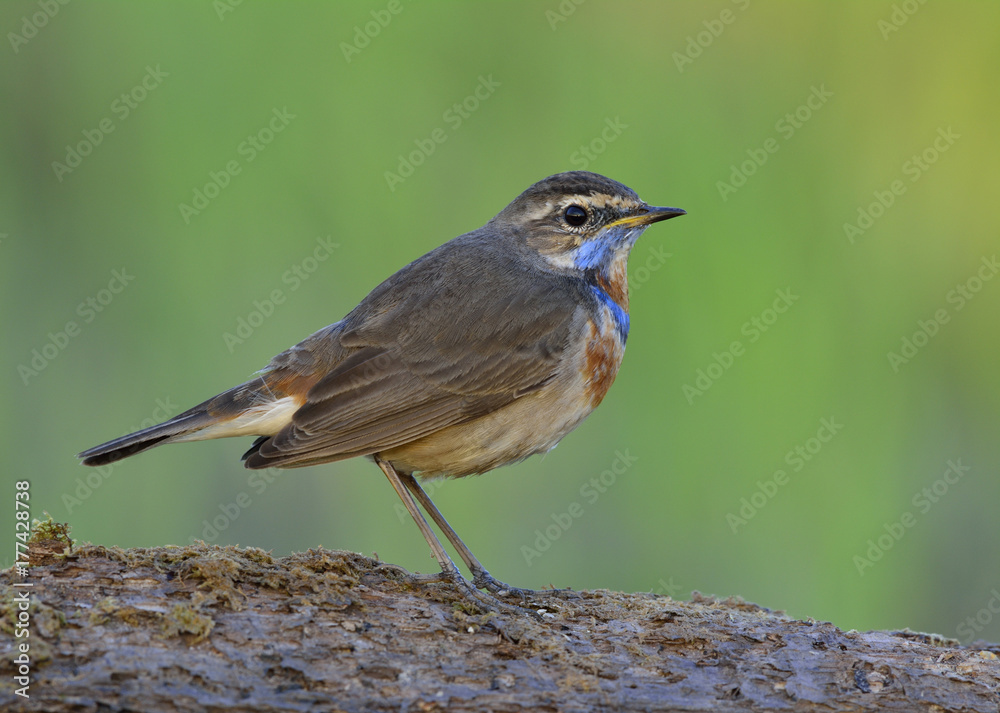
(651, 215)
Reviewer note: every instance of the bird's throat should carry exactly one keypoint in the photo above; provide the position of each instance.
(612, 279)
(610, 285)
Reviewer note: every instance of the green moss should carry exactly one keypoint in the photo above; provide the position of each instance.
(186, 618)
(48, 530)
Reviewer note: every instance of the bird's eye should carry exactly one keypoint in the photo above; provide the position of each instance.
(575, 215)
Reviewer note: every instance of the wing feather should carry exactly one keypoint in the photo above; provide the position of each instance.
(442, 342)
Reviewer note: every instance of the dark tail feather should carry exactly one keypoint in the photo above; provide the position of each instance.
(255, 447)
(146, 438)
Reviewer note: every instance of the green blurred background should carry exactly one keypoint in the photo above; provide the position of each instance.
(667, 98)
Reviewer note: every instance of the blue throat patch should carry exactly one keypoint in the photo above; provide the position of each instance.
(619, 314)
(595, 256)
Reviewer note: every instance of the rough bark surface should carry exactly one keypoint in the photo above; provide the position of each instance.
(206, 628)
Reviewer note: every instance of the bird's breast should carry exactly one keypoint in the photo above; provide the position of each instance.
(604, 348)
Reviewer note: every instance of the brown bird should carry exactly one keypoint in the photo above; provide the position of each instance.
(484, 351)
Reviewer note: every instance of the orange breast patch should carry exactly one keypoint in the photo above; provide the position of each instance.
(604, 354)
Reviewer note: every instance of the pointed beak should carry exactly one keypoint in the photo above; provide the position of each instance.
(651, 215)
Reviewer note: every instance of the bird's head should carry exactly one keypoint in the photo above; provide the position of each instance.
(581, 221)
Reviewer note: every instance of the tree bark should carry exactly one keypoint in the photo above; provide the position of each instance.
(206, 628)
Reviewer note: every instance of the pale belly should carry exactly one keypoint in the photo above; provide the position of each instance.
(532, 424)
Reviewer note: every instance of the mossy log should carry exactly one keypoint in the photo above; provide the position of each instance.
(206, 628)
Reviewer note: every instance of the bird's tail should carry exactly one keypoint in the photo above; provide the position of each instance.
(252, 408)
(175, 429)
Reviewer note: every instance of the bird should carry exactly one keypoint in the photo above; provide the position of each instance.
(486, 350)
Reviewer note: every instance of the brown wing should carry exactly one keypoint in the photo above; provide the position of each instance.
(435, 345)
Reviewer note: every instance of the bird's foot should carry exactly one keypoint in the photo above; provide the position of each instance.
(409, 577)
(485, 580)
(481, 601)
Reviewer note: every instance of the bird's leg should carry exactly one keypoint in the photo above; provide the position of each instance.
(480, 577)
(449, 572)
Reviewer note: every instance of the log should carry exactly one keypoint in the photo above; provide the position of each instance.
(209, 628)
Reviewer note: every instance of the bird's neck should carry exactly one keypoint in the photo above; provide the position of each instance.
(611, 277)
(609, 283)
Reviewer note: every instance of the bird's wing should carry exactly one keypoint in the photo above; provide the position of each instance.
(438, 347)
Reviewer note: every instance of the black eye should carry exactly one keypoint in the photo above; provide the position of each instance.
(575, 215)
